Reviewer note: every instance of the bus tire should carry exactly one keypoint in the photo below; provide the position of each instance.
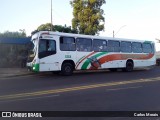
(67, 69)
(129, 66)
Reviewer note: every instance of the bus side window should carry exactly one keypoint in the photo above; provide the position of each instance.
(84, 44)
(126, 47)
(136, 47)
(67, 44)
(113, 46)
(147, 48)
(99, 45)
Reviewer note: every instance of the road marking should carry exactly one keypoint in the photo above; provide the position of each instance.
(62, 90)
(30, 98)
(124, 88)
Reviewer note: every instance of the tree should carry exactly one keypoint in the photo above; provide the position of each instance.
(59, 28)
(45, 27)
(13, 34)
(88, 16)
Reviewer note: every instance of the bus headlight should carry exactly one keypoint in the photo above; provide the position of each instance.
(34, 68)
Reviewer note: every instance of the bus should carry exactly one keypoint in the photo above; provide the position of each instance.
(65, 52)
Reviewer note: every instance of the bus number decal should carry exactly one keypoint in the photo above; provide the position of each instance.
(67, 56)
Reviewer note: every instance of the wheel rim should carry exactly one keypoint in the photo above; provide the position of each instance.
(68, 69)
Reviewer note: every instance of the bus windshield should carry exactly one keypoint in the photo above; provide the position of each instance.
(32, 51)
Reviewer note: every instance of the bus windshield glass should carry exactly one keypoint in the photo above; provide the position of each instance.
(32, 51)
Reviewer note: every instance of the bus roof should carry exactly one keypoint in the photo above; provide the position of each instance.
(40, 33)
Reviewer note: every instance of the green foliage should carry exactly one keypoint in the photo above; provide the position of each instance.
(88, 16)
(13, 34)
(64, 29)
(45, 27)
(59, 28)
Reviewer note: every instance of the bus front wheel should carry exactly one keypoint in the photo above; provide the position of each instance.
(67, 69)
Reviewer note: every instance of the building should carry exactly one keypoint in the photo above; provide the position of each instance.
(14, 51)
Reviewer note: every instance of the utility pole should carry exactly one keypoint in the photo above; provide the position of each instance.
(51, 15)
(113, 33)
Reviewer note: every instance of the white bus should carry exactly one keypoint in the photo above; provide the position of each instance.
(65, 52)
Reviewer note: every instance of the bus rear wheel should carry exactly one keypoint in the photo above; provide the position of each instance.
(129, 66)
(67, 69)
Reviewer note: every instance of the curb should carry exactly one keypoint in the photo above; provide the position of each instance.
(38, 73)
(16, 75)
(35, 73)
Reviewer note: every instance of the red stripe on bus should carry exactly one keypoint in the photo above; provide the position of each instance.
(113, 57)
(84, 59)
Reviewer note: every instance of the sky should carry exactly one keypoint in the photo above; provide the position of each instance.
(134, 19)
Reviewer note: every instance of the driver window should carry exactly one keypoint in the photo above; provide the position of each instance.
(46, 48)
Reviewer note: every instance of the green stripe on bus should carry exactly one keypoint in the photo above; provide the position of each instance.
(35, 67)
(87, 62)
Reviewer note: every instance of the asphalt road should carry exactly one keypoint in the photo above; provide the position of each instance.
(91, 91)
